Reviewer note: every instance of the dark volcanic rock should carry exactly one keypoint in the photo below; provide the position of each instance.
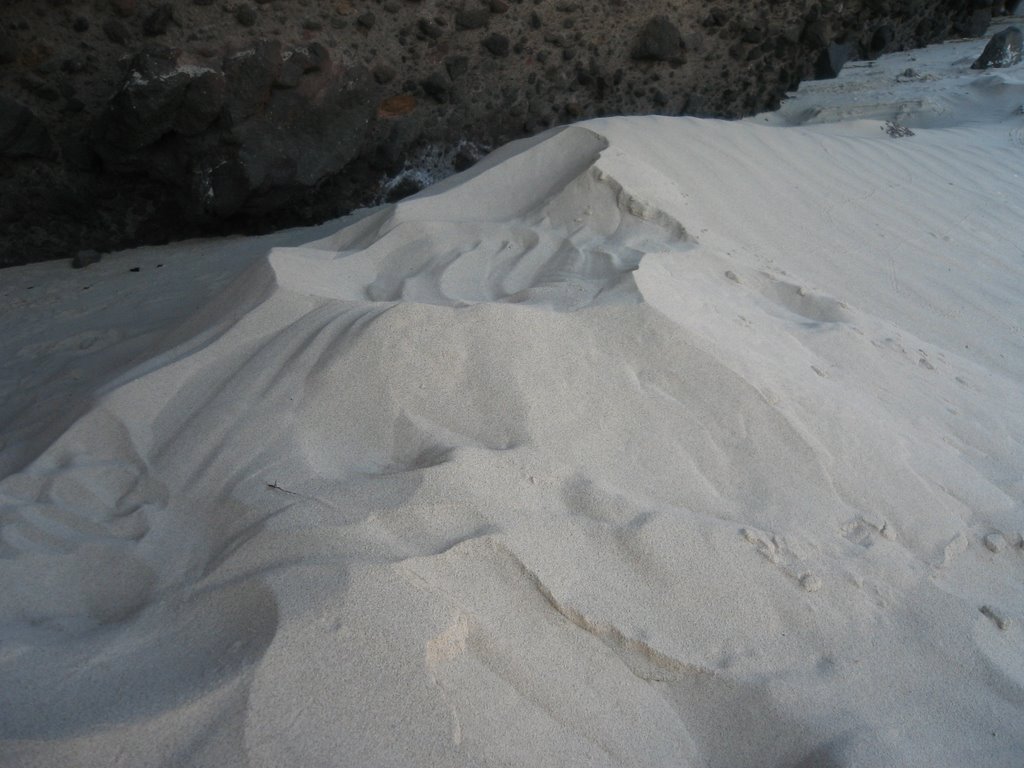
(384, 74)
(437, 86)
(832, 59)
(22, 134)
(659, 40)
(979, 22)
(1003, 50)
(123, 8)
(456, 66)
(223, 137)
(116, 31)
(246, 15)
(473, 18)
(39, 87)
(429, 29)
(297, 141)
(8, 49)
(145, 107)
(881, 39)
(157, 22)
(252, 74)
(201, 103)
(496, 44)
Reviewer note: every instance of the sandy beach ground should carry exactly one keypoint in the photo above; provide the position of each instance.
(645, 442)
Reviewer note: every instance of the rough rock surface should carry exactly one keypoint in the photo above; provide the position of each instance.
(134, 121)
(1005, 49)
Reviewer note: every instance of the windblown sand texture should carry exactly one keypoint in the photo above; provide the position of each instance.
(646, 442)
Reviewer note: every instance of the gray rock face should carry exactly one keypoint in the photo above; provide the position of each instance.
(123, 122)
(1005, 49)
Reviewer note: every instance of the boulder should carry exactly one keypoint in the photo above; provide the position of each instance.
(979, 21)
(8, 49)
(233, 135)
(116, 31)
(157, 22)
(252, 74)
(832, 59)
(659, 40)
(145, 107)
(429, 29)
(882, 38)
(472, 18)
(438, 86)
(1003, 50)
(496, 45)
(298, 140)
(123, 8)
(246, 15)
(202, 102)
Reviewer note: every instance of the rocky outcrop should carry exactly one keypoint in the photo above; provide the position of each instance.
(134, 121)
(1005, 49)
(238, 134)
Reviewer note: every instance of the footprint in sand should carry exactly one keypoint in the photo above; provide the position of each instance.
(1000, 541)
(863, 532)
(814, 308)
(956, 547)
(890, 343)
(997, 618)
(773, 549)
(1017, 137)
(77, 344)
(994, 542)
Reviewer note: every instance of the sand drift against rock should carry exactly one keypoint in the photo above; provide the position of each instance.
(645, 442)
(125, 123)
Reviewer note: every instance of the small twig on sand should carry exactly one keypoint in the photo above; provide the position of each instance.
(277, 487)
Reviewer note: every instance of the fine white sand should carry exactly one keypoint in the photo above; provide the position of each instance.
(646, 442)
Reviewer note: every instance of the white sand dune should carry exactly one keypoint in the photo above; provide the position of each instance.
(645, 442)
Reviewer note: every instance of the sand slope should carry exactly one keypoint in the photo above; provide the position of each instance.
(646, 442)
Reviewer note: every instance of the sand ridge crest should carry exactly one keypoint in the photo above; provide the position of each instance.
(565, 235)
